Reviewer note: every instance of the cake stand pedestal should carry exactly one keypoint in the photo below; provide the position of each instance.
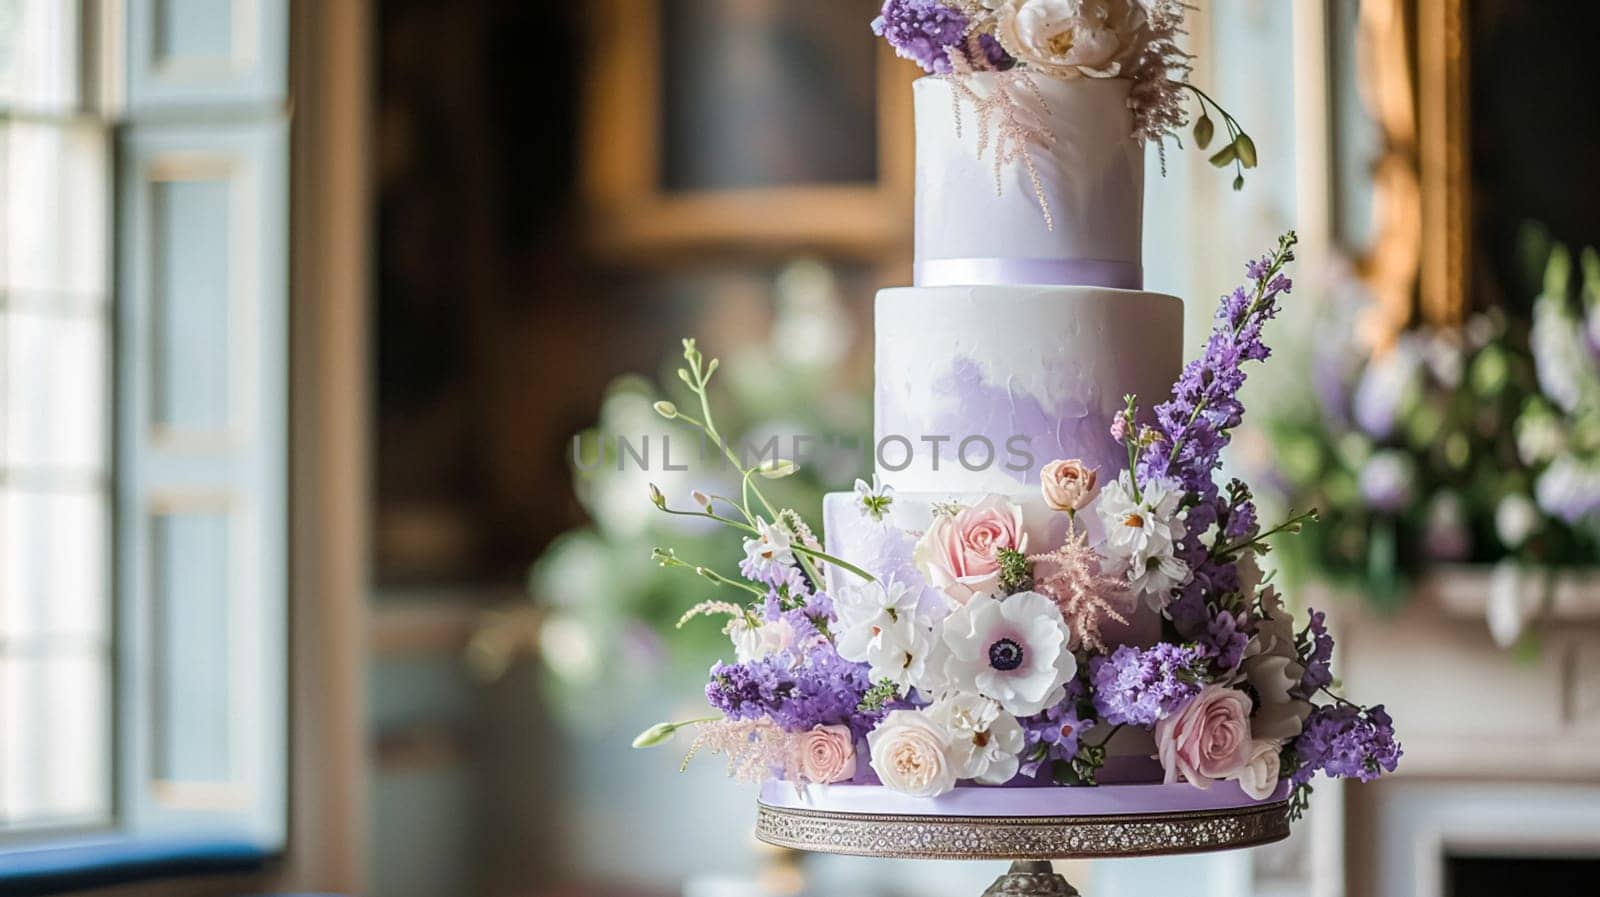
(1031, 841)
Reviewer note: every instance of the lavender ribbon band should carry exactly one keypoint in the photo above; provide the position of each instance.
(1045, 272)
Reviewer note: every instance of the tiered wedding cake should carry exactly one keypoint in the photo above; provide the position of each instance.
(1043, 585)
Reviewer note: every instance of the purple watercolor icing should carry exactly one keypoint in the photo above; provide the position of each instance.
(997, 412)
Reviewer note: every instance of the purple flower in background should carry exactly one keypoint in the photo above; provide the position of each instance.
(796, 690)
(1053, 735)
(1344, 741)
(1386, 386)
(922, 31)
(1140, 686)
(1319, 657)
(1385, 482)
(1569, 489)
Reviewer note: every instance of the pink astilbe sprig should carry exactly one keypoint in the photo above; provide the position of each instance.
(1159, 74)
(1077, 586)
(757, 749)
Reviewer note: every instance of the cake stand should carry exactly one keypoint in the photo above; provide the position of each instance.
(1030, 825)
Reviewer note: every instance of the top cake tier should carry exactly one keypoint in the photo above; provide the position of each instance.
(1085, 167)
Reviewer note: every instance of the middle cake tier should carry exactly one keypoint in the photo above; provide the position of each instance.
(978, 387)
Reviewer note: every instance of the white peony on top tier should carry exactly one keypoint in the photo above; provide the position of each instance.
(1067, 207)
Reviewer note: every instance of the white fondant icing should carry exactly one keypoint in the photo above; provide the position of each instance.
(989, 365)
(1092, 176)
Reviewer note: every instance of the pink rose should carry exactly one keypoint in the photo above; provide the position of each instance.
(826, 754)
(960, 553)
(1068, 484)
(1208, 740)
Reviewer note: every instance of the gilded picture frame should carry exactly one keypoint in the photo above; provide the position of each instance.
(1414, 79)
(628, 212)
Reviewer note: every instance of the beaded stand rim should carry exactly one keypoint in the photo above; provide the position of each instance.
(1022, 837)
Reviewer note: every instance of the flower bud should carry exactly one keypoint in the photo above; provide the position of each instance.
(656, 498)
(666, 410)
(656, 734)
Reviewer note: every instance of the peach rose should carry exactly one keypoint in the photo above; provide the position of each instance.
(1259, 774)
(1208, 740)
(960, 553)
(1068, 484)
(826, 754)
(911, 754)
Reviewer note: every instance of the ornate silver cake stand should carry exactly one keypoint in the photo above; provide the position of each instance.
(1030, 841)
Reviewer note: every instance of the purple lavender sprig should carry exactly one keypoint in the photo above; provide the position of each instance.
(1196, 423)
(796, 690)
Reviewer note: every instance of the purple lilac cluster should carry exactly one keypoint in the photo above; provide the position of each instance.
(796, 690)
(1139, 686)
(924, 31)
(1053, 735)
(775, 575)
(1346, 741)
(1318, 654)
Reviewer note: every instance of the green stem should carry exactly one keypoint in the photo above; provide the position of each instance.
(1263, 536)
(830, 559)
(1112, 734)
(726, 521)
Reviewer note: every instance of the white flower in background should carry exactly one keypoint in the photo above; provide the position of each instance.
(874, 498)
(1560, 352)
(878, 625)
(1014, 651)
(1141, 536)
(1569, 489)
(770, 548)
(1512, 603)
(1259, 775)
(911, 754)
(1070, 38)
(985, 740)
(1515, 519)
(1272, 667)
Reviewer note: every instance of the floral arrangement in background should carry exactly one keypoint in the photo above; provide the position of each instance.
(1132, 39)
(600, 613)
(985, 658)
(1474, 445)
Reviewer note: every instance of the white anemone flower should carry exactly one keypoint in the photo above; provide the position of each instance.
(1014, 651)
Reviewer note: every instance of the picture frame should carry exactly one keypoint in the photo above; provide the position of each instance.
(631, 210)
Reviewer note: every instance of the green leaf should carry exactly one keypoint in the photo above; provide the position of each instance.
(1224, 157)
(1203, 131)
(1245, 149)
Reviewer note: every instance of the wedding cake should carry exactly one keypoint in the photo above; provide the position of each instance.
(1042, 602)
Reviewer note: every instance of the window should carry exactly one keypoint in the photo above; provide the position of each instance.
(143, 417)
(55, 412)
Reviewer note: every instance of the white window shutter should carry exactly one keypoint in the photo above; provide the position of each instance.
(202, 421)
